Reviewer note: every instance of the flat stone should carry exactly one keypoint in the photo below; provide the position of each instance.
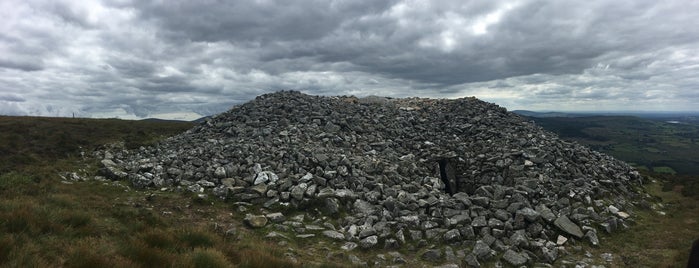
(334, 235)
(566, 225)
(305, 235)
(255, 221)
(349, 246)
(276, 217)
(274, 234)
(561, 240)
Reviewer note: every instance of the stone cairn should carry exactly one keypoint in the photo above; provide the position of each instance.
(397, 173)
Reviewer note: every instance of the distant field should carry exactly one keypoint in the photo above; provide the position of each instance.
(657, 145)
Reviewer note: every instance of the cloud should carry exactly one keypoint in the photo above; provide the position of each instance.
(143, 58)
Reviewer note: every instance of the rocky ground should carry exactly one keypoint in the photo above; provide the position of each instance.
(460, 182)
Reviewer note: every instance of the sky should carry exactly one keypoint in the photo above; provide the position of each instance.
(186, 59)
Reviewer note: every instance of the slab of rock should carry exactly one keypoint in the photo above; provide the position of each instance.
(567, 226)
(334, 235)
(255, 221)
(276, 217)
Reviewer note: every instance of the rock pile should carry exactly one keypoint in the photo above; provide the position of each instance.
(406, 172)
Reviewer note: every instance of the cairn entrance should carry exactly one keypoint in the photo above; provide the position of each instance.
(447, 173)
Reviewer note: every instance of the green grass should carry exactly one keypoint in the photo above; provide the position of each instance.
(655, 240)
(664, 170)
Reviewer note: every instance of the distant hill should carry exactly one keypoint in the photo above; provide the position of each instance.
(544, 114)
(158, 120)
(200, 120)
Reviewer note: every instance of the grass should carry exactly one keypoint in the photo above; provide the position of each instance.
(664, 170)
(655, 240)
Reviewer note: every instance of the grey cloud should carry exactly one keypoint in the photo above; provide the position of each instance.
(11, 98)
(260, 21)
(24, 65)
(144, 58)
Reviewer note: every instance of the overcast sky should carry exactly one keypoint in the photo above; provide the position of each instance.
(186, 59)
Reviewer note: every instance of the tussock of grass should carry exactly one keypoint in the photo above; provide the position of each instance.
(147, 256)
(196, 238)
(209, 258)
(257, 259)
(158, 238)
(6, 245)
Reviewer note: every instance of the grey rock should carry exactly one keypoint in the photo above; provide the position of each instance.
(345, 194)
(298, 191)
(452, 235)
(367, 231)
(276, 217)
(529, 214)
(591, 237)
(220, 172)
(349, 246)
(514, 258)
(431, 234)
(334, 235)
(111, 170)
(364, 207)
(400, 236)
(566, 225)
(471, 260)
(331, 206)
(369, 242)
(415, 235)
(545, 213)
(479, 221)
(495, 223)
(357, 261)
(431, 255)
(549, 254)
(325, 193)
(255, 221)
(519, 239)
(483, 251)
